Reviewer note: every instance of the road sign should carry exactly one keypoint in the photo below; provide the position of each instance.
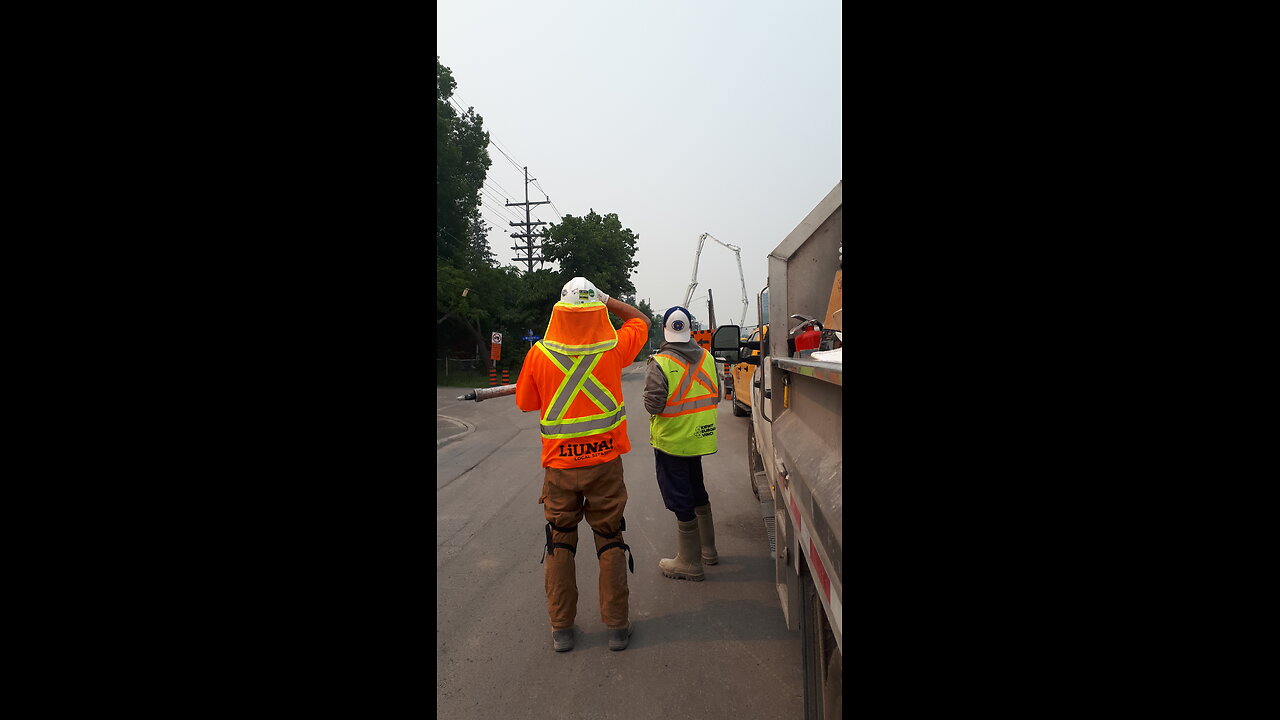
(531, 338)
(497, 338)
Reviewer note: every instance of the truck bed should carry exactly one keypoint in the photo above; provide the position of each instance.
(808, 444)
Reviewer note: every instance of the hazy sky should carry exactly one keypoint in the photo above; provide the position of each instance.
(681, 117)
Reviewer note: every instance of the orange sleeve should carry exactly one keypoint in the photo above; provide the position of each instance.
(527, 397)
(631, 337)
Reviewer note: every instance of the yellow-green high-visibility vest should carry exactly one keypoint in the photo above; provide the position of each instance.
(687, 424)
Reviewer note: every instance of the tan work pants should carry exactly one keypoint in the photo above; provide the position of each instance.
(598, 493)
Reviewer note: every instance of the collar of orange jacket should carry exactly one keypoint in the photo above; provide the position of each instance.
(580, 329)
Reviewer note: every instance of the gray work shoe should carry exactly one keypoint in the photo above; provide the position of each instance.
(562, 640)
(707, 533)
(619, 637)
(687, 564)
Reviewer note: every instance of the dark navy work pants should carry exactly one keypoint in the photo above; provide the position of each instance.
(680, 480)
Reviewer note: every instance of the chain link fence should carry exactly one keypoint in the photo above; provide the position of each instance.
(478, 364)
(448, 364)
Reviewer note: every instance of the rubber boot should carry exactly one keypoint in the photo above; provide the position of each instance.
(687, 564)
(707, 534)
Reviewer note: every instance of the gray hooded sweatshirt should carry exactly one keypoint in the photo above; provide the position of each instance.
(655, 380)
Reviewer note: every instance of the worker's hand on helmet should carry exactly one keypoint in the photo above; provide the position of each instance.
(601, 296)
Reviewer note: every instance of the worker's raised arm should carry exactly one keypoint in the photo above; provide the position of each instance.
(625, 311)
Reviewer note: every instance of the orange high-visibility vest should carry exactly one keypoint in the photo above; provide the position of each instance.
(583, 418)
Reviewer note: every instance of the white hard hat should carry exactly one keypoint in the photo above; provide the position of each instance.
(579, 291)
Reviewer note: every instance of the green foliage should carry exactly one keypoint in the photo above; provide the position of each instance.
(464, 260)
(462, 159)
(467, 379)
(596, 247)
(504, 299)
(478, 241)
(539, 291)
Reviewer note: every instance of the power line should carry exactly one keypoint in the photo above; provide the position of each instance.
(519, 166)
(497, 219)
(495, 185)
(506, 218)
(500, 203)
(491, 139)
(494, 142)
(496, 223)
(506, 149)
(455, 104)
(504, 154)
(553, 205)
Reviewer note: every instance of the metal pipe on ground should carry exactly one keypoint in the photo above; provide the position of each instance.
(482, 394)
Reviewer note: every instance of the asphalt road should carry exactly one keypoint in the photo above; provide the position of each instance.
(713, 649)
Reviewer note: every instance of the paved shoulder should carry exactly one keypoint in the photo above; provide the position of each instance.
(450, 428)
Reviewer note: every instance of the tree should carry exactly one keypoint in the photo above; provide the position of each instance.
(462, 160)
(464, 261)
(484, 309)
(478, 242)
(540, 290)
(596, 247)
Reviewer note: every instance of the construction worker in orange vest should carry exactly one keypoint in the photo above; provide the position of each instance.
(681, 393)
(573, 375)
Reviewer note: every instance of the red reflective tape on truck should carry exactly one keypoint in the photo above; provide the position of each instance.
(806, 545)
(820, 571)
(807, 540)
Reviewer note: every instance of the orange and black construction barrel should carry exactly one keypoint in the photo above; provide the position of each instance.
(493, 377)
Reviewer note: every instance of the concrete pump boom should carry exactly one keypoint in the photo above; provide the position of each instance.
(693, 281)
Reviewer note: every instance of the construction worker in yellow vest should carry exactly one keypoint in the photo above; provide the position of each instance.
(681, 394)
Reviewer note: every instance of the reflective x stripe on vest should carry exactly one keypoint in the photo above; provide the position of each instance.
(578, 379)
(679, 402)
(687, 424)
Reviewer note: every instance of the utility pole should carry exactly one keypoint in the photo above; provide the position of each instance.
(529, 247)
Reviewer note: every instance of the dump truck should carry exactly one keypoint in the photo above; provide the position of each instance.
(794, 458)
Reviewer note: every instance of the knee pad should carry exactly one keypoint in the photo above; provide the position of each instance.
(631, 563)
(551, 546)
